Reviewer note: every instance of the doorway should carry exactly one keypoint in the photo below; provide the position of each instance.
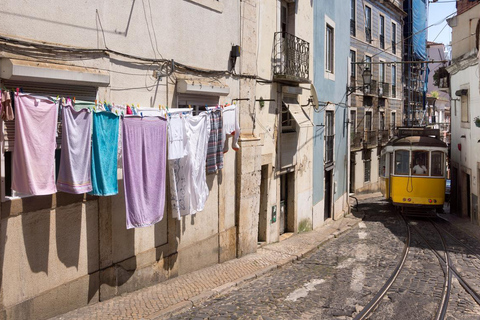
(328, 194)
(352, 172)
(262, 218)
(287, 203)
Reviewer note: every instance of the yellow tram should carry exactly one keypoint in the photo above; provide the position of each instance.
(413, 169)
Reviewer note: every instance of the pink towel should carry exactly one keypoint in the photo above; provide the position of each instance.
(144, 169)
(34, 149)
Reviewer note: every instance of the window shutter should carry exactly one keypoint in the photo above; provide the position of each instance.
(83, 93)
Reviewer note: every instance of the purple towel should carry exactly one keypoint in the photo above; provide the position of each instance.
(144, 169)
(74, 175)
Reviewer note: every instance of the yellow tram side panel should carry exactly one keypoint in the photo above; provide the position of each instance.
(419, 189)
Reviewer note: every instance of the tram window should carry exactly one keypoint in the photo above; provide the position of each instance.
(420, 162)
(437, 163)
(402, 161)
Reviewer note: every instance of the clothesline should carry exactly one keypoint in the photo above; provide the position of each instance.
(190, 146)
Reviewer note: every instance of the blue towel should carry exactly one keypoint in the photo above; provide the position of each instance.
(104, 154)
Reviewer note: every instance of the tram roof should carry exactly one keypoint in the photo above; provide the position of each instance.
(418, 141)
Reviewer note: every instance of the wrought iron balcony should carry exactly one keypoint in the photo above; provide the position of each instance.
(370, 89)
(371, 138)
(383, 136)
(356, 141)
(291, 58)
(329, 149)
(383, 89)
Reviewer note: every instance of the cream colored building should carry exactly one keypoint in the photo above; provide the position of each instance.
(464, 93)
(62, 251)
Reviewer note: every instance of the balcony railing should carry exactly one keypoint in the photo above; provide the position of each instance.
(291, 60)
(383, 136)
(329, 149)
(371, 138)
(383, 89)
(356, 140)
(370, 89)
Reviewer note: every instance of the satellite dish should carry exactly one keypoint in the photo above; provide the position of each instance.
(313, 92)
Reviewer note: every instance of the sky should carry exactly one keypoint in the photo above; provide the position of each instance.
(437, 12)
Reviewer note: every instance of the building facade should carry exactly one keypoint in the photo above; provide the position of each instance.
(289, 174)
(375, 109)
(330, 118)
(438, 97)
(465, 134)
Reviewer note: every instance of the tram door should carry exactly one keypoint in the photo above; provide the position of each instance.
(390, 173)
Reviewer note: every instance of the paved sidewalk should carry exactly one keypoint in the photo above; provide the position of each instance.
(175, 295)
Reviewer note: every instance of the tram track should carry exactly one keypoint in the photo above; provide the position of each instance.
(445, 263)
(370, 307)
(474, 294)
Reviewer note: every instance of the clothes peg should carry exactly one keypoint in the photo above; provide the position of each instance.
(189, 107)
(18, 89)
(74, 100)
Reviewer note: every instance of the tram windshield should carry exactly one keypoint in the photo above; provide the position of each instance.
(402, 162)
(420, 162)
(438, 164)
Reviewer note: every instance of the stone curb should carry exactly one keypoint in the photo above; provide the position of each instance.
(200, 298)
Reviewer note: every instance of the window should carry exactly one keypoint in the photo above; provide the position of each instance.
(329, 136)
(381, 168)
(394, 38)
(368, 62)
(353, 120)
(367, 166)
(402, 162)
(196, 101)
(394, 81)
(368, 121)
(382, 32)
(288, 123)
(283, 19)
(368, 24)
(438, 164)
(393, 122)
(81, 93)
(329, 47)
(464, 108)
(353, 71)
(353, 30)
(420, 162)
(382, 121)
(381, 71)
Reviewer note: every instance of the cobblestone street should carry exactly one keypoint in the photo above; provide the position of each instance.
(331, 273)
(340, 278)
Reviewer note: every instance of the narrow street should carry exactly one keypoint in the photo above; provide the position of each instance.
(339, 279)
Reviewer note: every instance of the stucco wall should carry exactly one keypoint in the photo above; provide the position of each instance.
(60, 256)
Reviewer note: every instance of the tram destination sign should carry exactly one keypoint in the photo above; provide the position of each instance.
(425, 132)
